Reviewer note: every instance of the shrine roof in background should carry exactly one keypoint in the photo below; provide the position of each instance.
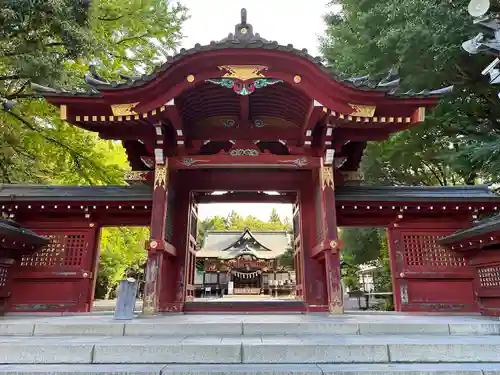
(232, 244)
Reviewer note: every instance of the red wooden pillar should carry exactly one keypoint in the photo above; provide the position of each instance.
(157, 244)
(329, 247)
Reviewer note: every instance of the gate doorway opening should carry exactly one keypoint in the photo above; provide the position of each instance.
(120, 255)
(366, 270)
(247, 252)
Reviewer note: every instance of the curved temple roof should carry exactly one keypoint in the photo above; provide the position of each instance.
(232, 244)
(242, 38)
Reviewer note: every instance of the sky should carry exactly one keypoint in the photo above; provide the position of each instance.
(286, 21)
(294, 21)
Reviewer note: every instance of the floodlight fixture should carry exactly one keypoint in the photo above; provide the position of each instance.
(478, 8)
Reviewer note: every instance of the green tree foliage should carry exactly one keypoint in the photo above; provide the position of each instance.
(122, 254)
(422, 38)
(52, 43)
(350, 272)
(361, 245)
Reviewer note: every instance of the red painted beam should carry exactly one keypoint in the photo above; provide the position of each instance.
(247, 197)
(244, 110)
(263, 161)
(262, 134)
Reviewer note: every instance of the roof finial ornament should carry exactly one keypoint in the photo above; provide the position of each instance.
(243, 32)
(243, 16)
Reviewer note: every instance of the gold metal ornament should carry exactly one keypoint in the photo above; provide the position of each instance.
(297, 79)
(327, 177)
(333, 244)
(64, 112)
(123, 109)
(421, 114)
(362, 110)
(243, 72)
(161, 177)
(153, 244)
(190, 78)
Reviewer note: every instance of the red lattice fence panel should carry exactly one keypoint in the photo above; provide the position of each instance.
(427, 276)
(487, 263)
(60, 277)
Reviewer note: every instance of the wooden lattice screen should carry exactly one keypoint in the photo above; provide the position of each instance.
(424, 251)
(489, 277)
(427, 276)
(64, 250)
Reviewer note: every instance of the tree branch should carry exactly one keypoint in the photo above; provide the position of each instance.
(11, 77)
(124, 40)
(110, 18)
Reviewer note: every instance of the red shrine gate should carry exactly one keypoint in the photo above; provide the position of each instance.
(244, 115)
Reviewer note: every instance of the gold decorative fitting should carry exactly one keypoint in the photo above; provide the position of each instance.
(153, 244)
(333, 244)
(128, 118)
(325, 109)
(64, 112)
(243, 30)
(243, 72)
(111, 118)
(153, 112)
(91, 225)
(407, 119)
(326, 172)
(123, 109)
(161, 178)
(421, 114)
(362, 110)
(297, 79)
(77, 118)
(190, 78)
(136, 176)
(94, 118)
(103, 118)
(352, 176)
(382, 119)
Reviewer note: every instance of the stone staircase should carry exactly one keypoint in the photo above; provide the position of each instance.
(251, 344)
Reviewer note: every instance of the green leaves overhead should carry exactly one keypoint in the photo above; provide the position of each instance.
(423, 39)
(52, 43)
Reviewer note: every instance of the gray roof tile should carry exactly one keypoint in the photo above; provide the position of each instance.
(30, 193)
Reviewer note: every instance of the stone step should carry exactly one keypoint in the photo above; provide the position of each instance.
(289, 369)
(304, 349)
(228, 325)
